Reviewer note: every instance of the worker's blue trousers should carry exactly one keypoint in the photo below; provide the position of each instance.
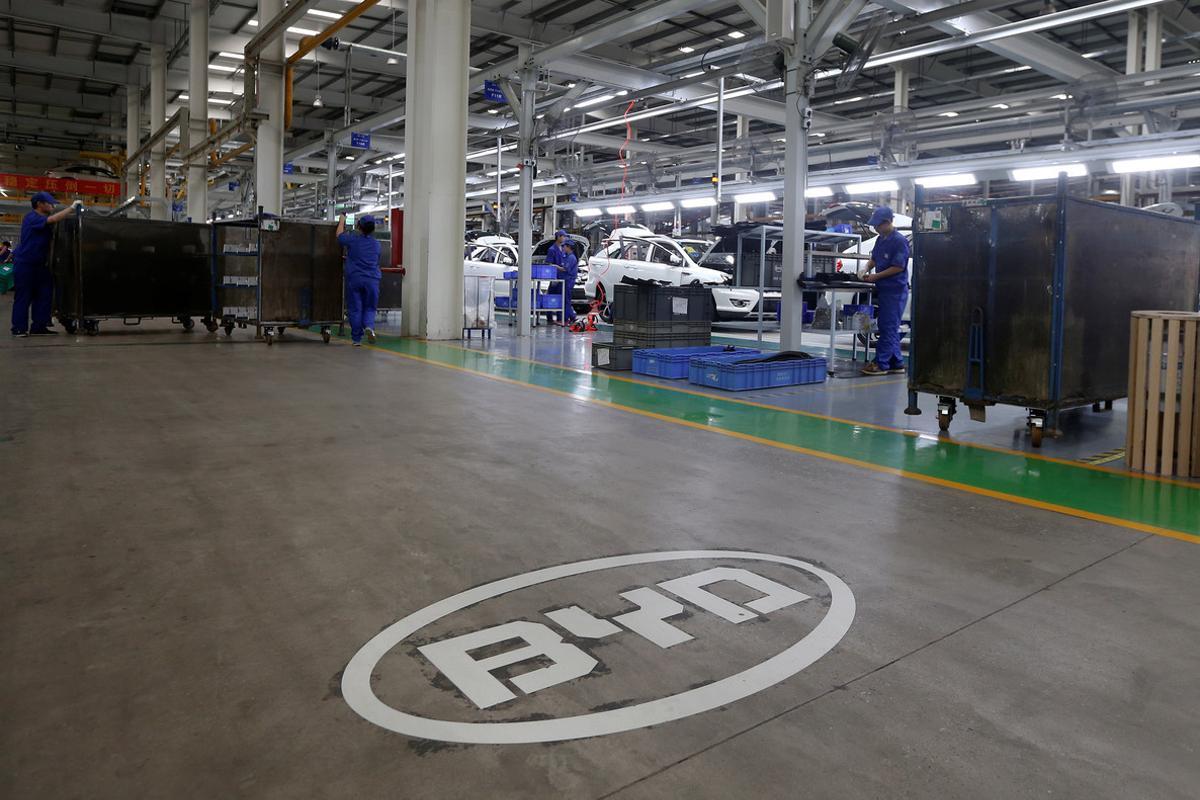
(33, 285)
(362, 296)
(891, 307)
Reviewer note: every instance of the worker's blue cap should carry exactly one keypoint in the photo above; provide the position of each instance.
(42, 197)
(560, 232)
(569, 243)
(882, 214)
(365, 218)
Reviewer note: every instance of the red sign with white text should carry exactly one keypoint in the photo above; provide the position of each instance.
(39, 183)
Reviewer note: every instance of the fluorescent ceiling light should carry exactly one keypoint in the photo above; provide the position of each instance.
(622, 93)
(736, 35)
(299, 31)
(695, 74)
(754, 197)
(594, 101)
(948, 114)
(946, 181)
(618, 210)
(1156, 164)
(347, 158)
(325, 14)
(818, 191)
(686, 49)
(698, 202)
(1059, 96)
(1022, 68)
(234, 56)
(662, 205)
(999, 105)
(872, 187)
(493, 111)
(221, 68)
(847, 100)
(1073, 170)
(588, 212)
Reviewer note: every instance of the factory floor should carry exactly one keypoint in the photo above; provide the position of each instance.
(208, 544)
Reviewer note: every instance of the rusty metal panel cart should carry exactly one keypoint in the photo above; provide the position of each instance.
(278, 273)
(131, 269)
(1026, 301)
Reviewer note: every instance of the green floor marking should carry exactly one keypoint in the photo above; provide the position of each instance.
(1170, 506)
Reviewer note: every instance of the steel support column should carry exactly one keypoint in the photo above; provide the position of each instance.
(160, 208)
(1133, 64)
(268, 144)
(133, 125)
(525, 211)
(799, 120)
(197, 174)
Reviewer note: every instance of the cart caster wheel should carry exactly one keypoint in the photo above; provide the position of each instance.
(279, 332)
(270, 337)
(211, 326)
(229, 329)
(91, 327)
(325, 336)
(1035, 435)
(944, 422)
(70, 327)
(188, 323)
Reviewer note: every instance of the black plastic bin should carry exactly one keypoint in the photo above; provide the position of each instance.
(613, 357)
(649, 303)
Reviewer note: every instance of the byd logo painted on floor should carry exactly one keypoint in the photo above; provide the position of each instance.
(474, 675)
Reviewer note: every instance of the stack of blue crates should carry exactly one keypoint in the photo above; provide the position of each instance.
(734, 373)
(673, 362)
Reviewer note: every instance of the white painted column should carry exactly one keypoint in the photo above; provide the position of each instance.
(133, 127)
(160, 207)
(417, 128)
(716, 209)
(797, 122)
(268, 146)
(197, 175)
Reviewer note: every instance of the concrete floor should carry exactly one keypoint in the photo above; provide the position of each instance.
(200, 533)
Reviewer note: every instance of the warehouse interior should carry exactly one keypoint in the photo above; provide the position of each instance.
(600, 398)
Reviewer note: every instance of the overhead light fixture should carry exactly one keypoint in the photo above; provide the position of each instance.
(393, 60)
(594, 101)
(1021, 68)
(1072, 170)
(493, 111)
(736, 35)
(235, 56)
(872, 187)
(221, 68)
(617, 211)
(695, 74)
(662, 205)
(686, 49)
(698, 202)
(318, 102)
(324, 14)
(347, 158)
(946, 181)
(1060, 96)
(847, 100)
(622, 93)
(818, 191)
(298, 31)
(747, 198)
(1156, 164)
(948, 114)
(588, 212)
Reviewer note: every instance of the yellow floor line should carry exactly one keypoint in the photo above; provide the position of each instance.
(1074, 512)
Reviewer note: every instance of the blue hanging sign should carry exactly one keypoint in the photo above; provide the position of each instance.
(492, 91)
(362, 140)
(289, 168)
(873, 160)
(234, 184)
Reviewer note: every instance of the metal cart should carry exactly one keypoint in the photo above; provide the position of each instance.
(277, 273)
(131, 269)
(1025, 301)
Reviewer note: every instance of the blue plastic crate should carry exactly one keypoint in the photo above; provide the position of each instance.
(733, 374)
(503, 301)
(672, 362)
(549, 301)
(850, 309)
(541, 272)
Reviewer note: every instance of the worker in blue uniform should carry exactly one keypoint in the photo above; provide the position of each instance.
(554, 257)
(889, 260)
(568, 268)
(32, 280)
(362, 276)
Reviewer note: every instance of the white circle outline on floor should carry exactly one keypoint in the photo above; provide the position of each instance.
(356, 680)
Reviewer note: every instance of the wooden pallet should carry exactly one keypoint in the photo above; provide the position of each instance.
(1163, 435)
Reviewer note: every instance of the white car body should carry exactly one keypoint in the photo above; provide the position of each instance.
(640, 254)
(492, 256)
